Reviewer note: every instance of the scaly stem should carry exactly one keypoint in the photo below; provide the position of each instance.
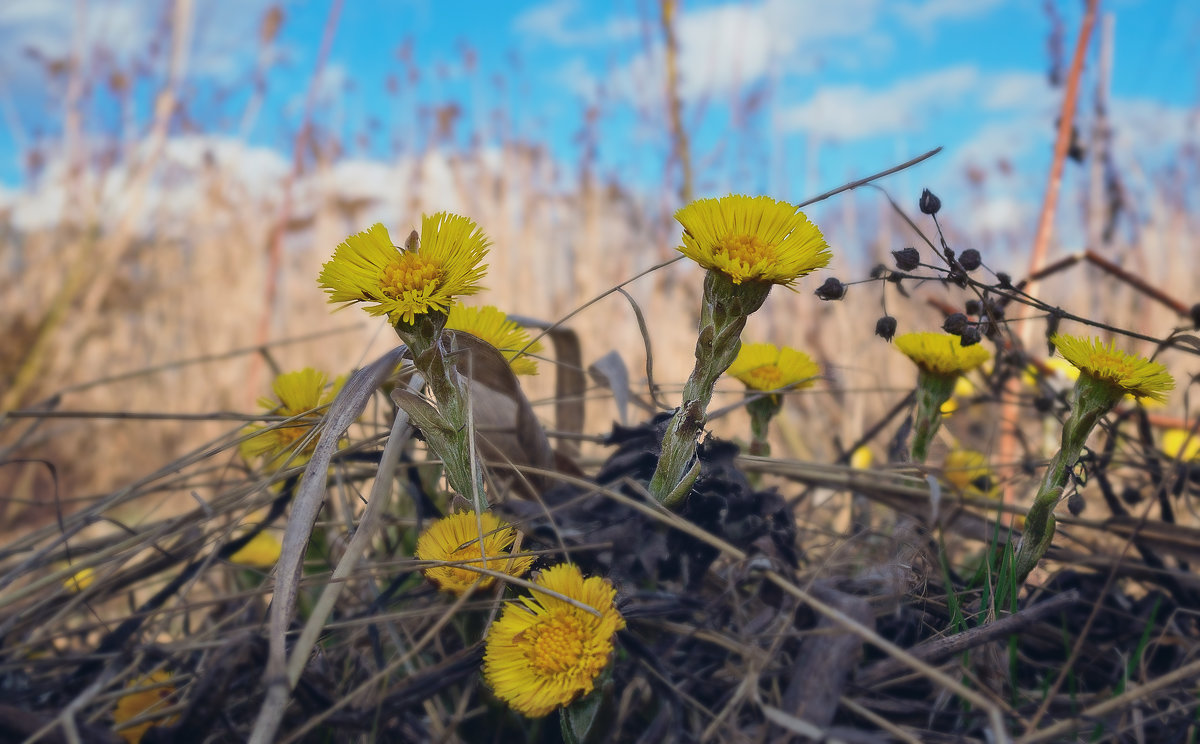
(722, 318)
(424, 340)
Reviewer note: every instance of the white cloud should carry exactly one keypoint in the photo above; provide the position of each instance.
(850, 112)
(925, 16)
(552, 22)
(726, 47)
(1019, 90)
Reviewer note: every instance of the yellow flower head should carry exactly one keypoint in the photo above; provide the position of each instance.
(941, 353)
(85, 577)
(1058, 372)
(402, 284)
(861, 458)
(1128, 373)
(969, 472)
(296, 393)
(261, 552)
(143, 701)
(1177, 444)
(769, 367)
(752, 239)
(493, 326)
(456, 539)
(544, 652)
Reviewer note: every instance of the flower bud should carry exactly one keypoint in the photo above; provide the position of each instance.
(929, 203)
(832, 289)
(885, 327)
(907, 259)
(969, 259)
(956, 323)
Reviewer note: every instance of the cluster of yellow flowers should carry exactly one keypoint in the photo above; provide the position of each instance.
(547, 649)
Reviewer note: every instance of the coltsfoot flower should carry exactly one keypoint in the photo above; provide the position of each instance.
(767, 367)
(404, 283)
(1129, 373)
(489, 324)
(941, 353)
(752, 239)
(457, 540)
(296, 393)
(543, 653)
(261, 552)
(1181, 444)
(969, 472)
(139, 701)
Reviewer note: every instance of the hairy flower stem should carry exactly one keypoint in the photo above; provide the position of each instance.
(932, 392)
(1093, 398)
(424, 339)
(761, 412)
(722, 318)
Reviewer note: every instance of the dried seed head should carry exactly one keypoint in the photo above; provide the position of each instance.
(1043, 404)
(956, 323)
(907, 259)
(970, 337)
(885, 327)
(832, 289)
(929, 203)
(970, 259)
(1076, 504)
(1004, 281)
(973, 307)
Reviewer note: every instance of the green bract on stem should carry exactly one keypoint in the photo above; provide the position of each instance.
(933, 390)
(425, 341)
(722, 318)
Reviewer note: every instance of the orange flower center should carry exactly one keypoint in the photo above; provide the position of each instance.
(767, 377)
(555, 644)
(748, 249)
(410, 272)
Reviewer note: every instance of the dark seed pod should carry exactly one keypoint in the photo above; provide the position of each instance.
(973, 307)
(1043, 404)
(969, 259)
(832, 289)
(1004, 281)
(970, 337)
(956, 323)
(885, 327)
(1131, 496)
(1076, 504)
(907, 259)
(957, 276)
(929, 203)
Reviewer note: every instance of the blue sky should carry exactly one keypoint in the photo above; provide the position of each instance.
(834, 89)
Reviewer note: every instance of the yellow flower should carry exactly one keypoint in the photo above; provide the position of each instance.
(401, 284)
(941, 354)
(1129, 373)
(752, 239)
(80, 580)
(769, 367)
(296, 393)
(969, 472)
(861, 458)
(1054, 369)
(261, 552)
(143, 701)
(544, 652)
(456, 539)
(1177, 444)
(493, 326)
